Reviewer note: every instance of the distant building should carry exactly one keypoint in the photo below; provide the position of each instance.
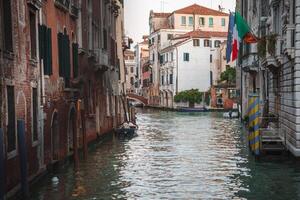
(141, 51)
(187, 63)
(130, 71)
(182, 50)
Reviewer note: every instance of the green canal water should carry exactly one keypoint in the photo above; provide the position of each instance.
(176, 156)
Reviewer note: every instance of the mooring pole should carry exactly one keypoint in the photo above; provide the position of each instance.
(75, 141)
(84, 139)
(2, 173)
(23, 158)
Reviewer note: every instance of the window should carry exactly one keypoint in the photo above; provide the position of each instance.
(131, 69)
(161, 59)
(217, 43)
(11, 126)
(170, 36)
(153, 57)
(293, 8)
(191, 21)
(131, 81)
(162, 80)
(211, 21)
(64, 57)
(196, 42)
(158, 38)
(45, 48)
(183, 20)
(153, 40)
(171, 79)
(32, 20)
(223, 22)
(186, 57)
(75, 59)
(7, 25)
(211, 58)
(276, 19)
(201, 21)
(206, 43)
(211, 78)
(167, 59)
(104, 39)
(34, 114)
(172, 56)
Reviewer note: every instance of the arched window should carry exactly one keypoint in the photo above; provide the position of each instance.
(217, 43)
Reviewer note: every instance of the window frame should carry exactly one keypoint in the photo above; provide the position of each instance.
(223, 22)
(211, 22)
(7, 32)
(183, 20)
(200, 20)
(196, 42)
(33, 33)
(206, 43)
(191, 21)
(13, 153)
(186, 57)
(34, 141)
(217, 42)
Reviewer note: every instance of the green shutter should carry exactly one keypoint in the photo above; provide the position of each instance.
(49, 51)
(60, 54)
(67, 52)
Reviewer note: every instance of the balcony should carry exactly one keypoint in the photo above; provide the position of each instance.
(100, 60)
(272, 52)
(279, 50)
(250, 63)
(74, 11)
(290, 41)
(37, 4)
(63, 4)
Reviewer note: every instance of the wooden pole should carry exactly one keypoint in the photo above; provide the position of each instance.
(75, 141)
(23, 158)
(2, 172)
(84, 138)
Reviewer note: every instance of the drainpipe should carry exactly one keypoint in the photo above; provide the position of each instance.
(176, 69)
(41, 86)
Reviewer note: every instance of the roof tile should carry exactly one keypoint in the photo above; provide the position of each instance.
(200, 10)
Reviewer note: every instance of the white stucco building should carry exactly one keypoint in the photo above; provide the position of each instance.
(130, 67)
(187, 63)
(177, 63)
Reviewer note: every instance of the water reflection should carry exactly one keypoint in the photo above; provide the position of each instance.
(176, 155)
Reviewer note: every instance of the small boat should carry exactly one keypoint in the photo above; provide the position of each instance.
(185, 109)
(127, 129)
(231, 114)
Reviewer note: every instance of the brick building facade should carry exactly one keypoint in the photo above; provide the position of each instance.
(61, 69)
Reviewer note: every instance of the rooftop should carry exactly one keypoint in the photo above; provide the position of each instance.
(161, 15)
(200, 10)
(202, 34)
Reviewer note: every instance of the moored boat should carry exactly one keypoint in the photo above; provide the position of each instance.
(127, 129)
(185, 109)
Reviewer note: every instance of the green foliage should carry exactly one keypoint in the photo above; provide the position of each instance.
(272, 44)
(261, 47)
(192, 96)
(229, 75)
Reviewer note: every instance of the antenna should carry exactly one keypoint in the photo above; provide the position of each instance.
(221, 8)
(162, 5)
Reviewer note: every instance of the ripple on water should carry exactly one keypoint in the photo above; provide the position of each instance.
(176, 155)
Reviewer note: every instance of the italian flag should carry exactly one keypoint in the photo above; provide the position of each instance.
(241, 32)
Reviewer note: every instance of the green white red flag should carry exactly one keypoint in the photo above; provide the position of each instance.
(241, 32)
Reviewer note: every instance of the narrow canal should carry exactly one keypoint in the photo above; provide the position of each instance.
(176, 156)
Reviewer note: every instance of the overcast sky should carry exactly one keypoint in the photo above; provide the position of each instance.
(137, 12)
